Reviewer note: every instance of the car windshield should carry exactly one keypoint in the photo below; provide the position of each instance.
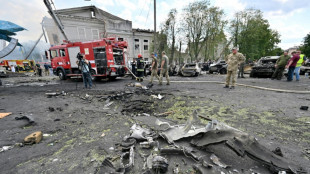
(190, 65)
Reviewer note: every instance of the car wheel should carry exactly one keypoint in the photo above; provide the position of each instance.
(61, 74)
(252, 74)
(223, 71)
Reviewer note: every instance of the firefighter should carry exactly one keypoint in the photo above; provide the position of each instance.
(140, 68)
(133, 68)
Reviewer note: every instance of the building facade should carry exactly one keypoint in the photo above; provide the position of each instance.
(91, 23)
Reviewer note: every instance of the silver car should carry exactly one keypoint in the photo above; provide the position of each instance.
(190, 69)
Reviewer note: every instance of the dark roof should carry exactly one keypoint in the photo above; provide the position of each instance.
(103, 13)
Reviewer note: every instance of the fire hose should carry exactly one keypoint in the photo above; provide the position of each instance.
(249, 86)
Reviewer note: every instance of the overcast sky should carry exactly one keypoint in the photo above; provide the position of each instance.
(289, 17)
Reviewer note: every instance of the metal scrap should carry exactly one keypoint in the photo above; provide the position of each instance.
(140, 133)
(178, 132)
(160, 164)
(217, 161)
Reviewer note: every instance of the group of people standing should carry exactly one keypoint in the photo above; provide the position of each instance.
(293, 65)
(164, 65)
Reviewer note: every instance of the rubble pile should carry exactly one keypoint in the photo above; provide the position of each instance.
(193, 148)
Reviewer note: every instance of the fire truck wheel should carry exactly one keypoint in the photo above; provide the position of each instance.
(61, 74)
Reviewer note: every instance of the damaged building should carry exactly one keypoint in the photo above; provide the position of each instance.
(91, 23)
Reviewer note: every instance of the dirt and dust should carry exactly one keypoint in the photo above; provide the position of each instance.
(82, 127)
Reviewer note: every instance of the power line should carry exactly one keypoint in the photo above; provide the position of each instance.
(148, 13)
(142, 8)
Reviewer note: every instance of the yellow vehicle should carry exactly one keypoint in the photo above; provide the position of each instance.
(20, 65)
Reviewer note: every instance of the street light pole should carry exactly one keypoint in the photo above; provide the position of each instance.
(155, 50)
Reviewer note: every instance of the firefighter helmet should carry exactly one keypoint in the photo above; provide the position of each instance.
(139, 56)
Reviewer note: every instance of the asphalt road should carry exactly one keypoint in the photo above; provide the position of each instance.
(83, 131)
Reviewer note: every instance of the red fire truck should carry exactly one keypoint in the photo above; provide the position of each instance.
(106, 56)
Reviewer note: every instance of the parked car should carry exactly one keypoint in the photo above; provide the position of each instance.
(305, 68)
(204, 66)
(3, 72)
(264, 67)
(190, 69)
(219, 67)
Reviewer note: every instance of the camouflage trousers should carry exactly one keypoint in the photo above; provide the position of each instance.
(164, 72)
(154, 73)
(231, 75)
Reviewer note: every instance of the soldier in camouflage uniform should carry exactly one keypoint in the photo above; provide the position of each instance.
(164, 69)
(233, 60)
(154, 68)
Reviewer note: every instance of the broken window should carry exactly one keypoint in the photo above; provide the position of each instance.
(93, 15)
(62, 53)
(54, 53)
(137, 46)
(146, 47)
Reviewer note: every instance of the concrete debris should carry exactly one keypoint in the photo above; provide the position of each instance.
(33, 138)
(106, 106)
(47, 135)
(145, 114)
(176, 169)
(216, 161)
(157, 96)
(51, 94)
(6, 148)
(138, 85)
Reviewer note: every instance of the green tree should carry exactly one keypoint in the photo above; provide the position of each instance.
(204, 29)
(170, 30)
(305, 48)
(194, 26)
(252, 33)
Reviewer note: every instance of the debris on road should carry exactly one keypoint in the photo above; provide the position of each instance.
(2, 115)
(158, 96)
(33, 138)
(305, 108)
(28, 118)
(195, 137)
(6, 148)
(217, 161)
